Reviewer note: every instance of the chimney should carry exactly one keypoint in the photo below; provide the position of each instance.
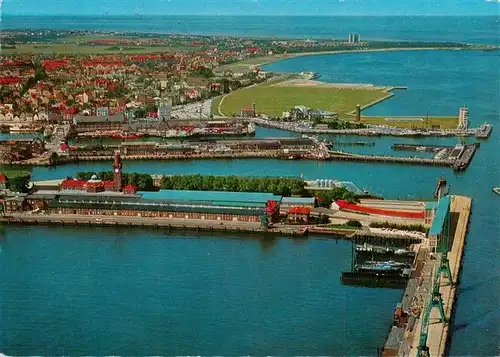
(358, 113)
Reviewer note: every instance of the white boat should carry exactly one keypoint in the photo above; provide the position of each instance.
(496, 189)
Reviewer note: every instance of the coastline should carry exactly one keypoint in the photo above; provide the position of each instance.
(278, 58)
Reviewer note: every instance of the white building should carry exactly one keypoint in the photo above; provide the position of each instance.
(102, 112)
(463, 118)
(164, 108)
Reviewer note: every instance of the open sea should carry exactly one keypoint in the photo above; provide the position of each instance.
(95, 291)
(474, 29)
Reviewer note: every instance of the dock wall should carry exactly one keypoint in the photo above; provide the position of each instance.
(206, 226)
(439, 333)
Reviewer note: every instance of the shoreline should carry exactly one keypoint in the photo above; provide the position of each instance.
(334, 52)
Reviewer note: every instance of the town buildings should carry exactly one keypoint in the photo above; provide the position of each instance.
(20, 149)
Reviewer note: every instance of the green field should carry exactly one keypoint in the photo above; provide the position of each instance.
(15, 173)
(274, 100)
(73, 48)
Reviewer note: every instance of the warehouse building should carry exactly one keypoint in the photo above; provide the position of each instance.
(171, 204)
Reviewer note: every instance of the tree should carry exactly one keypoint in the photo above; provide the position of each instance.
(54, 157)
(354, 223)
(18, 184)
(323, 219)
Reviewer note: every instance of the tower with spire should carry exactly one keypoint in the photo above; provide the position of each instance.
(117, 172)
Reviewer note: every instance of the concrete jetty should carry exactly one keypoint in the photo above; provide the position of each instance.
(405, 334)
(439, 332)
(207, 226)
(483, 132)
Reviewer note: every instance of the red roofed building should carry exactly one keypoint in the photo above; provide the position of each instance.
(248, 112)
(3, 181)
(94, 185)
(299, 214)
(130, 189)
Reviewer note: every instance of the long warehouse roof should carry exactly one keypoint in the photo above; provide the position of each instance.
(441, 214)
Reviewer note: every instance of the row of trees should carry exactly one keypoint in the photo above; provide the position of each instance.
(144, 182)
(336, 193)
(282, 186)
(279, 186)
(18, 184)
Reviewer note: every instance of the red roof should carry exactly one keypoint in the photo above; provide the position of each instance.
(3, 178)
(109, 183)
(300, 210)
(247, 109)
(130, 189)
(384, 212)
(71, 183)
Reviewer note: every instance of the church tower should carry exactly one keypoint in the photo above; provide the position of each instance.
(117, 172)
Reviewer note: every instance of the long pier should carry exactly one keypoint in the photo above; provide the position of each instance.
(415, 147)
(482, 132)
(391, 159)
(405, 334)
(207, 226)
(438, 333)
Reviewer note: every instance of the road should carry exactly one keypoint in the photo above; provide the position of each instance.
(192, 110)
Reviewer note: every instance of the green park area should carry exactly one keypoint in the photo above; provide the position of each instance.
(83, 49)
(274, 100)
(11, 174)
(77, 45)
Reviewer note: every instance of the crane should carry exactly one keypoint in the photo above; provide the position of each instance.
(442, 266)
(435, 301)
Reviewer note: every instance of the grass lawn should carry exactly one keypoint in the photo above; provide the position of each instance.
(442, 122)
(73, 48)
(274, 100)
(215, 105)
(15, 173)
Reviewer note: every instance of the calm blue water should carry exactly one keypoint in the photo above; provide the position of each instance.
(92, 291)
(439, 82)
(481, 29)
(232, 296)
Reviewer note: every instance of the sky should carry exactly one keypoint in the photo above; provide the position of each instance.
(251, 7)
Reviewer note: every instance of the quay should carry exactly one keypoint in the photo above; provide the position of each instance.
(418, 328)
(483, 132)
(415, 147)
(438, 332)
(297, 231)
(352, 143)
(458, 163)
(390, 159)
